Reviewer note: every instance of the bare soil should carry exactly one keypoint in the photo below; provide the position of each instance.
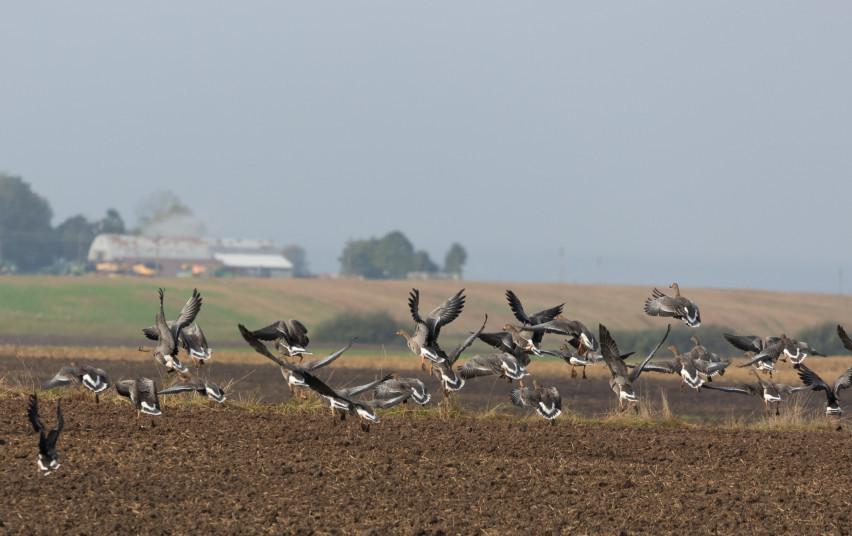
(226, 469)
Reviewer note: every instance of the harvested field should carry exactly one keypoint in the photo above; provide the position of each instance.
(231, 468)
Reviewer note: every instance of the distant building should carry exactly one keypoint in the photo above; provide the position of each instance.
(172, 256)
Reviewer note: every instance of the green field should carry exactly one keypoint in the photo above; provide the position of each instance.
(90, 309)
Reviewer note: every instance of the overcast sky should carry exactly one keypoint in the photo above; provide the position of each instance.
(653, 141)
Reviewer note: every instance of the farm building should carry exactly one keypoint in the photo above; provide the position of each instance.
(171, 256)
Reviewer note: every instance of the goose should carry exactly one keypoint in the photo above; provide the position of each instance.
(289, 337)
(576, 358)
(771, 351)
(424, 342)
(534, 338)
(191, 338)
(676, 306)
(142, 393)
(166, 351)
(579, 336)
(292, 372)
(351, 392)
(546, 400)
(450, 379)
(340, 401)
(621, 381)
(48, 456)
(770, 392)
(399, 386)
(198, 385)
(795, 351)
(92, 378)
(832, 392)
(502, 364)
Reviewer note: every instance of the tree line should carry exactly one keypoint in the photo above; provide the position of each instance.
(393, 256)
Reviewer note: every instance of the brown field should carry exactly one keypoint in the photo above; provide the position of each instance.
(238, 469)
(95, 310)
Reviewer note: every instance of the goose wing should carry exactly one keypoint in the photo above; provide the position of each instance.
(388, 403)
(444, 314)
(669, 366)
(32, 414)
(610, 352)
(319, 363)
(744, 389)
(538, 318)
(272, 332)
(746, 343)
(465, 344)
(261, 348)
(189, 312)
(53, 435)
(321, 388)
(151, 333)
(183, 387)
(194, 341)
(65, 376)
(502, 340)
(659, 304)
(844, 381)
(638, 370)
(481, 365)
(165, 337)
(844, 338)
(357, 390)
(811, 378)
(296, 333)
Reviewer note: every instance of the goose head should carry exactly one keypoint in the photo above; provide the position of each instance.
(676, 288)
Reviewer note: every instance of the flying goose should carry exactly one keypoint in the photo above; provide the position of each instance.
(291, 372)
(191, 338)
(450, 380)
(92, 378)
(546, 400)
(195, 384)
(48, 456)
(795, 351)
(340, 400)
(289, 337)
(166, 351)
(424, 342)
(766, 358)
(579, 336)
(502, 364)
(676, 306)
(812, 380)
(571, 355)
(771, 393)
(532, 338)
(622, 381)
(351, 392)
(142, 393)
(399, 386)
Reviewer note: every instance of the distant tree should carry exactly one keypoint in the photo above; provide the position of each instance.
(112, 223)
(299, 257)
(73, 237)
(164, 214)
(455, 259)
(390, 257)
(26, 236)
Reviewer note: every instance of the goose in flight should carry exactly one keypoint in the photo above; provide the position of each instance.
(546, 400)
(191, 338)
(92, 378)
(48, 456)
(766, 358)
(621, 381)
(676, 306)
(291, 372)
(795, 351)
(500, 364)
(166, 350)
(812, 380)
(395, 387)
(424, 342)
(450, 379)
(188, 384)
(529, 340)
(770, 392)
(289, 337)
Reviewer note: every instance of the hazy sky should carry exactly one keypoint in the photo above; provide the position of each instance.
(653, 141)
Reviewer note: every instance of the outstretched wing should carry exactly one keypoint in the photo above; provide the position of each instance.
(355, 391)
(179, 388)
(320, 387)
(312, 365)
(743, 389)
(811, 378)
(53, 435)
(261, 348)
(538, 318)
(151, 333)
(610, 352)
(61, 379)
(746, 343)
(189, 312)
(844, 381)
(638, 370)
(32, 413)
(444, 314)
(844, 338)
(269, 333)
(454, 355)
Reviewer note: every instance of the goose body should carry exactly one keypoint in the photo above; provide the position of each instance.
(289, 337)
(546, 400)
(191, 339)
(503, 365)
(48, 456)
(142, 393)
(677, 306)
(395, 387)
(94, 379)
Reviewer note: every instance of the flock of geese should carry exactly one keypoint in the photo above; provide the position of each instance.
(286, 342)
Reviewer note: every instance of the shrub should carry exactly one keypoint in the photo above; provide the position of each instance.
(371, 327)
